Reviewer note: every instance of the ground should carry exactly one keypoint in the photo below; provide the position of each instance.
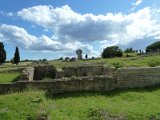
(117, 105)
(127, 104)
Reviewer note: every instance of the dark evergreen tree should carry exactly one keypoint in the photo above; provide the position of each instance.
(129, 50)
(2, 53)
(16, 56)
(86, 56)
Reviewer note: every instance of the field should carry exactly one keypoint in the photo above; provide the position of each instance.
(9, 77)
(9, 72)
(133, 61)
(32, 104)
(127, 104)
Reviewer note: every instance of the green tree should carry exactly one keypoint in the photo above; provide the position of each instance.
(112, 51)
(155, 47)
(2, 53)
(86, 56)
(129, 50)
(16, 56)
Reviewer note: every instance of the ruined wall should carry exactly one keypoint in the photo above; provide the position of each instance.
(123, 78)
(99, 83)
(14, 70)
(27, 74)
(138, 77)
(88, 71)
(41, 72)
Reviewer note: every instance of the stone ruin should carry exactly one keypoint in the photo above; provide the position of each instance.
(41, 72)
(79, 54)
(85, 78)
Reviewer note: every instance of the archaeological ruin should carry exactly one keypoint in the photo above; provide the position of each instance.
(84, 78)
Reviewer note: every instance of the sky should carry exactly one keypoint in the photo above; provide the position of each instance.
(57, 28)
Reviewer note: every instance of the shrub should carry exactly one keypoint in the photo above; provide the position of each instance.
(153, 63)
(117, 65)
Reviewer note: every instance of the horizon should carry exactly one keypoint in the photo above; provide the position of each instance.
(53, 29)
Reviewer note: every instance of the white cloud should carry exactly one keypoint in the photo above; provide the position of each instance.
(137, 3)
(9, 14)
(16, 36)
(72, 30)
(68, 25)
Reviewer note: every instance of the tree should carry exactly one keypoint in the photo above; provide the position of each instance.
(2, 53)
(153, 47)
(86, 56)
(129, 50)
(112, 51)
(16, 56)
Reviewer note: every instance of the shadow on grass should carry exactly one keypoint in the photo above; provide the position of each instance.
(16, 79)
(107, 93)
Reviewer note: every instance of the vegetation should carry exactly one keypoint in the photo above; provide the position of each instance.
(2, 53)
(9, 77)
(153, 47)
(133, 60)
(128, 104)
(16, 56)
(86, 56)
(112, 51)
(129, 50)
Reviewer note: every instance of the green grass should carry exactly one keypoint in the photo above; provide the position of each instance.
(9, 77)
(134, 61)
(131, 104)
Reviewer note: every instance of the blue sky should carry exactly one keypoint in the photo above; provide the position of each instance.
(54, 28)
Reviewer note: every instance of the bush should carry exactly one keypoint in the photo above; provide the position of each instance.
(112, 51)
(117, 65)
(153, 63)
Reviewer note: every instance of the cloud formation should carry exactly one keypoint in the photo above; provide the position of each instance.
(137, 3)
(20, 37)
(72, 30)
(115, 28)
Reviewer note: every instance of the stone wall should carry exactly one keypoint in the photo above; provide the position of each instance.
(88, 71)
(98, 83)
(14, 70)
(41, 72)
(138, 77)
(122, 78)
(28, 74)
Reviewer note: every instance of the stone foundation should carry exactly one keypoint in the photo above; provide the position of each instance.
(121, 79)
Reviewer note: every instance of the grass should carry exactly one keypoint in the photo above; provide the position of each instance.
(126, 104)
(9, 77)
(133, 61)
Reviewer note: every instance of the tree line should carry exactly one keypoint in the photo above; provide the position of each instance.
(108, 52)
(3, 54)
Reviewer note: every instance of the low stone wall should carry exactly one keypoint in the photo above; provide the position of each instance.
(123, 78)
(98, 83)
(13, 70)
(88, 71)
(41, 72)
(138, 77)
